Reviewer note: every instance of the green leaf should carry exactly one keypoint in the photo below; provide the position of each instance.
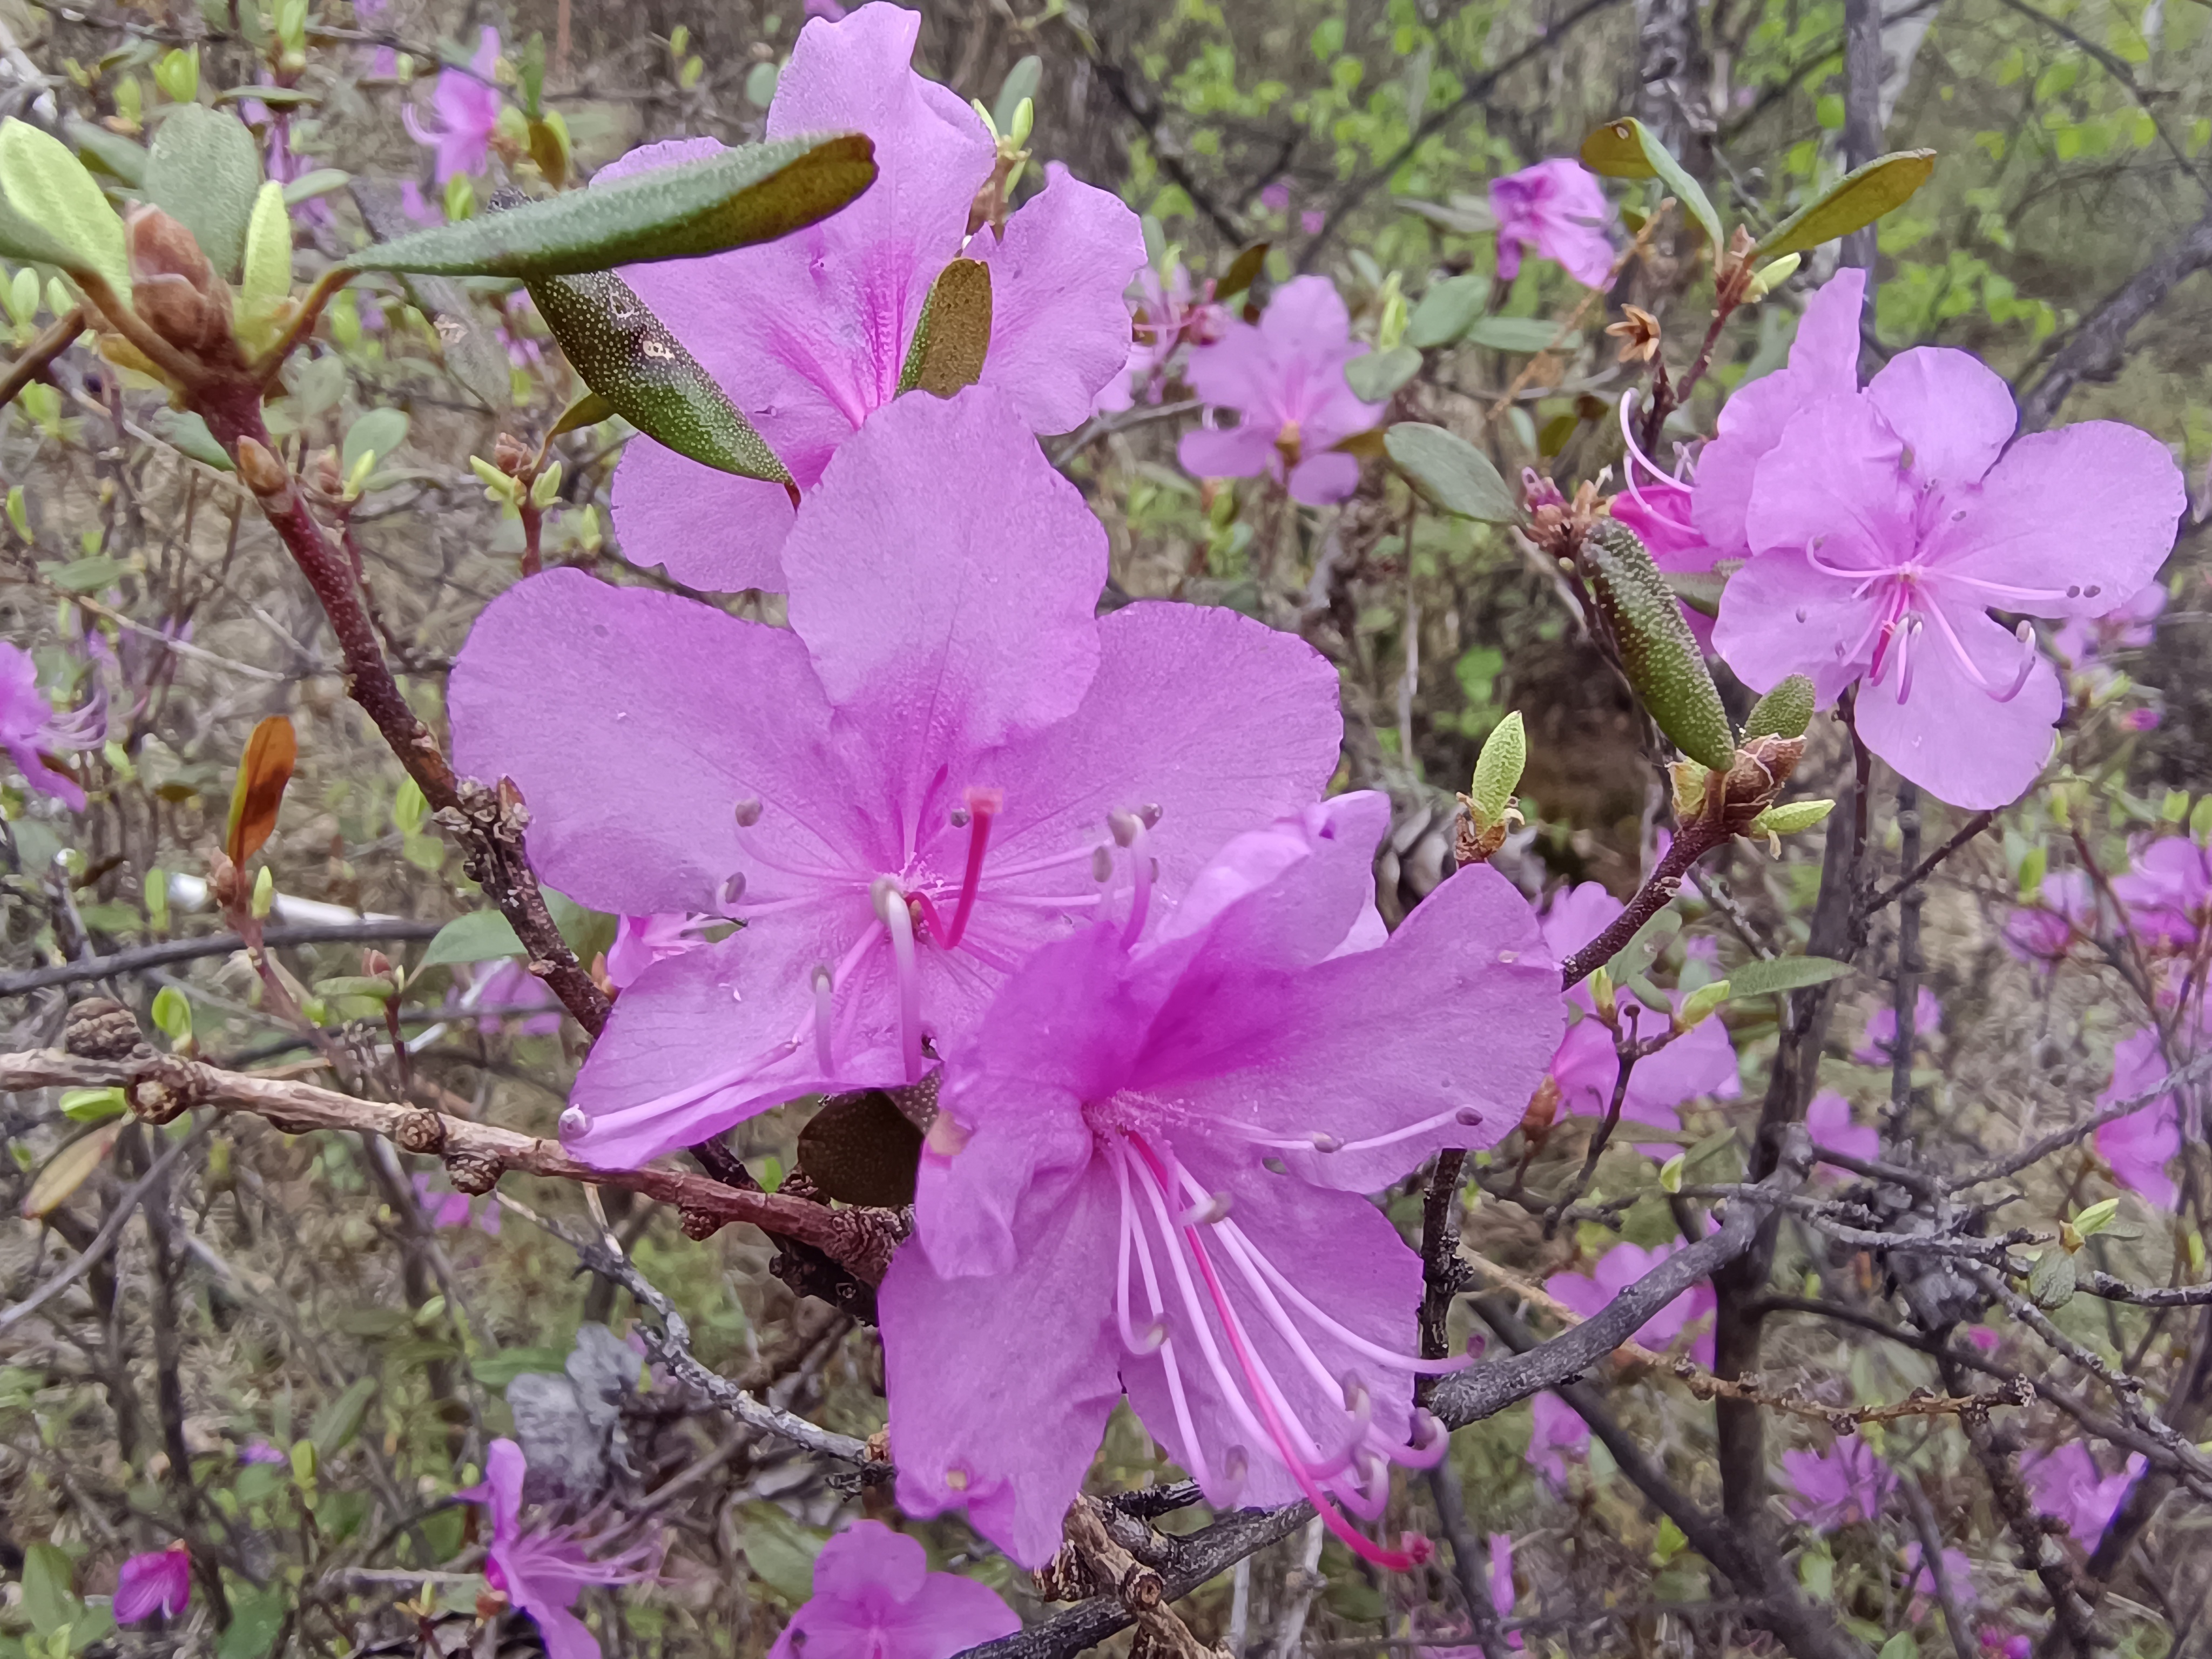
(780, 1551)
(256, 1616)
(1465, 216)
(186, 431)
(1784, 974)
(95, 1105)
(1244, 270)
(1451, 473)
(270, 97)
(267, 281)
(380, 432)
(642, 372)
(1377, 376)
(1523, 334)
(1022, 82)
(205, 173)
(498, 1368)
(48, 188)
(1634, 959)
(1785, 712)
(755, 194)
(1660, 656)
(589, 410)
(1626, 149)
(337, 1423)
(953, 333)
(1447, 310)
(115, 155)
(481, 936)
(87, 575)
(1859, 199)
(321, 182)
(172, 1013)
(1699, 589)
(49, 1600)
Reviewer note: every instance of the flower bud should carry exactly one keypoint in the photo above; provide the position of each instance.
(328, 478)
(1777, 822)
(174, 289)
(1785, 712)
(1601, 996)
(265, 475)
(1768, 277)
(265, 893)
(1497, 772)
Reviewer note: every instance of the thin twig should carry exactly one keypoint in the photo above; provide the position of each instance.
(143, 957)
(103, 1241)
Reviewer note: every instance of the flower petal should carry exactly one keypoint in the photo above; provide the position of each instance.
(633, 722)
(1235, 452)
(1004, 1383)
(1780, 616)
(1951, 737)
(1320, 479)
(1059, 324)
(707, 529)
(1954, 413)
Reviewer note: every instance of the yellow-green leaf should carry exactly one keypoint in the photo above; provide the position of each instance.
(1626, 149)
(69, 1169)
(267, 281)
(1862, 196)
(954, 332)
(50, 194)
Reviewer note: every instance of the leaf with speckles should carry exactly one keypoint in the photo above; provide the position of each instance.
(954, 332)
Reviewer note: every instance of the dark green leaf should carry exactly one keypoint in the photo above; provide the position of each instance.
(1862, 196)
(861, 1149)
(121, 159)
(2050, 1281)
(1447, 310)
(642, 372)
(49, 1602)
(1451, 473)
(1244, 270)
(1785, 712)
(1626, 149)
(188, 432)
(205, 173)
(271, 97)
(755, 194)
(337, 1423)
(1658, 654)
(587, 410)
(1523, 334)
(1782, 974)
(1380, 373)
(1022, 82)
(954, 332)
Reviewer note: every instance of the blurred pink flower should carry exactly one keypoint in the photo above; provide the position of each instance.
(2140, 1145)
(33, 734)
(1284, 379)
(2166, 894)
(159, 1580)
(1502, 1593)
(2067, 1485)
(507, 985)
(1168, 315)
(1311, 220)
(442, 1207)
(1958, 1572)
(2065, 912)
(875, 1598)
(464, 109)
(640, 941)
(1557, 208)
(543, 1570)
(1878, 1043)
(1845, 1483)
(1276, 198)
(2081, 642)
(1590, 1294)
(258, 1451)
(1828, 1121)
(1556, 1434)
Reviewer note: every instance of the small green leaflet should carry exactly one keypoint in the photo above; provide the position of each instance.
(1626, 149)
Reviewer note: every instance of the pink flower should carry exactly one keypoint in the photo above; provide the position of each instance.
(2166, 894)
(1276, 198)
(1311, 220)
(1887, 522)
(1958, 1572)
(1828, 1121)
(1502, 1595)
(1878, 1043)
(2140, 1145)
(1557, 208)
(2141, 720)
(464, 111)
(1557, 1432)
(1590, 1294)
(1587, 1066)
(1146, 1174)
(509, 986)
(2068, 1485)
(2081, 642)
(258, 1451)
(1843, 1484)
(946, 760)
(159, 1580)
(1168, 316)
(1284, 377)
(2065, 911)
(640, 941)
(808, 333)
(543, 1570)
(32, 733)
(875, 1598)
(442, 1207)
(1658, 509)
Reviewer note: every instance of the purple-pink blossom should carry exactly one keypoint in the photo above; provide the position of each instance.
(1828, 1121)
(808, 333)
(1843, 1484)
(640, 941)
(876, 1598)
(1557, 1434)
(2067, 1485)
(946, 760)
(2083, 642)
(1878, 1043)
(1958, 1573)
(258, 1451)
(2140, 1145)
(2065, 913)
(1145, 1178)
(1884, 526)
(1557, 208)
(464, 112)
(1284, 378)
(542, 1569)
(1502, 1595)
(1587, 1066)
(2167, 893)
(506, 987)
(442, 1207)
(159, 1580)
(1590, 1294)
(1169, 315)
(33, 735)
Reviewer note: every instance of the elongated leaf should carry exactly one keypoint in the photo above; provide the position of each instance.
(587, 410)
(1244, 270)
(1664, 667)
(269, 97)
(1451, 473)
(642, 373)
(1634, 959)
(205, 173)
(1862, 196)
(337, 1423)
(120, 158)
(262, 772)
(1784, 974)
(1380, 373)
(1447, 310)
(480, 936)
(48, 189)
(473, 355)
(1469, 216)
(265, 281)
(321, 182)
(755, 194)
(954, 332)
(69, 1169)
(1022, 82)
(1626, 149)
(1523, 334)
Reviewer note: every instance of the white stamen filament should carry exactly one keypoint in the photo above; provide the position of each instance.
(898, 922)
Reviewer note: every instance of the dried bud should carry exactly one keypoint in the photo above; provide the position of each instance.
(265, 475)
(1762, 767)
(174, 288)
(699, 1225)
(1543, 1106)
(508, 455)
(1638, 333)
(99, 1028)
(329, 477)
(223, 880)
(420, 1132)
(471, 1173)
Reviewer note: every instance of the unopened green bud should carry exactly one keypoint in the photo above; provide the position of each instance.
(983, 111)
(1498, 773)
(19, 512)
(1670, 1173)
(265, 892)
(1601, 996)
(1768, 277)
(157, 900)
(1699, 1004)
(172, 1013)
(546, 488)
(2097, 1218)
(1785, 712)
(364, 464)
(303, 1462)
(2200, 817)
(499, 488)
(1777, 822)
(1024, 122)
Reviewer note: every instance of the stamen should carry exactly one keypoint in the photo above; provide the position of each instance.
(1325, 1142)
(1628, 469)
(1906, 659)
(733, 889)
(898, 922)
(1151, 813)
(825, 1015)
(1466, 1116)
(983, 805)
(1133, 1231)
(1129, 828)
(1102, 863)
(1210, 1213)
(749, 811)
